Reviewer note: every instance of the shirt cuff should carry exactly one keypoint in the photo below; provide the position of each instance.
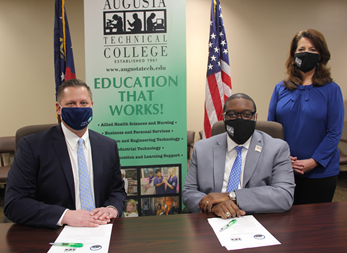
(61, 218)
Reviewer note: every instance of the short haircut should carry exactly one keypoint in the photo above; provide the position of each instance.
(240, 95)
(72, 83)
(158, 170)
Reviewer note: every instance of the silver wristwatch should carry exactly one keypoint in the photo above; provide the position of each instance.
(232, 196)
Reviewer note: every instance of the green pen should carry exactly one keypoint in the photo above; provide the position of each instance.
(67, 244)
(232, 222)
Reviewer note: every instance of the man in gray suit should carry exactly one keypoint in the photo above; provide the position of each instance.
(263, 181)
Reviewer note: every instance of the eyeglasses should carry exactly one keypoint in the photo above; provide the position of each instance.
(247, 114)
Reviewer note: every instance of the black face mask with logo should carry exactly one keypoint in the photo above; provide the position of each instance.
(239, 130)
(306, 61)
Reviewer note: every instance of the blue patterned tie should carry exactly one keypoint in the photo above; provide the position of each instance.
(87, 202)
(235, 172)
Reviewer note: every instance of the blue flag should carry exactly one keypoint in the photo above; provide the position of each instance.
(63, 57)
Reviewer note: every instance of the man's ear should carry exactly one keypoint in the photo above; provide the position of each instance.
(57, 108)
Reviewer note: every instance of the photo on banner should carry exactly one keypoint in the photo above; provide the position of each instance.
(152, 187)
(131, 181)
(130, 208)
(159, 206)
(136, 67)
(168, 177)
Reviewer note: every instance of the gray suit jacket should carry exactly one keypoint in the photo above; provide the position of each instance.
(268, 181)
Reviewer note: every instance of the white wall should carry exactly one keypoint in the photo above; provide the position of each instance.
(258, 32)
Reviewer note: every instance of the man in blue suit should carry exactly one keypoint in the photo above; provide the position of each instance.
(43, 185)
(264, 182)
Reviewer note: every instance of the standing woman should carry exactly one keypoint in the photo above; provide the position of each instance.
(171, 181)
(159, 183)
(310, 107)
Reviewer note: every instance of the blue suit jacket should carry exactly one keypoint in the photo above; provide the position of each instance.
(40, 183)
(268, 179)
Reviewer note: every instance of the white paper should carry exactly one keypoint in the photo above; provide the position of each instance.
(93, 239)
(247, 232)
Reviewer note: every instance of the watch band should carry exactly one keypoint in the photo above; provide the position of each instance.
(232, 197)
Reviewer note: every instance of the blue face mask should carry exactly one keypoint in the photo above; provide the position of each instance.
(77, 117)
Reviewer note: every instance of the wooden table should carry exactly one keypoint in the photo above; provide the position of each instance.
(305, 228)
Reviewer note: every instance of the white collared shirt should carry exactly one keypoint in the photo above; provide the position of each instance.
(231, 155)
(72, 146)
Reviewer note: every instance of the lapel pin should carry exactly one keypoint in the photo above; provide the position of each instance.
(258, 148)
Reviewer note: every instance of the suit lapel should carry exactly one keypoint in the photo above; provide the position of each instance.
(97, 165)
(59, 145)
(253, 156)
(219, 153)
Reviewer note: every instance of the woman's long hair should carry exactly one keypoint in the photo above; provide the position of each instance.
(322, 73)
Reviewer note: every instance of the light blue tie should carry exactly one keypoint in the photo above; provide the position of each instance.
(235, 172)
(86, 197)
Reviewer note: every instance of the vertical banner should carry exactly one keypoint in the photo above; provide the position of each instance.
(136, 68)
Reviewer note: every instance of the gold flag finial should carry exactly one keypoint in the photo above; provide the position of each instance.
(214, 6)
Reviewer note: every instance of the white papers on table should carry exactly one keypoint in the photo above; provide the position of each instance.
(93, 239)
(247, 232)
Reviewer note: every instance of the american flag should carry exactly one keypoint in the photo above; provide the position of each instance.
(63, 57)
(218, 83)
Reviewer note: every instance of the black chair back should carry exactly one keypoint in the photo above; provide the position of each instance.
(272, 128)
